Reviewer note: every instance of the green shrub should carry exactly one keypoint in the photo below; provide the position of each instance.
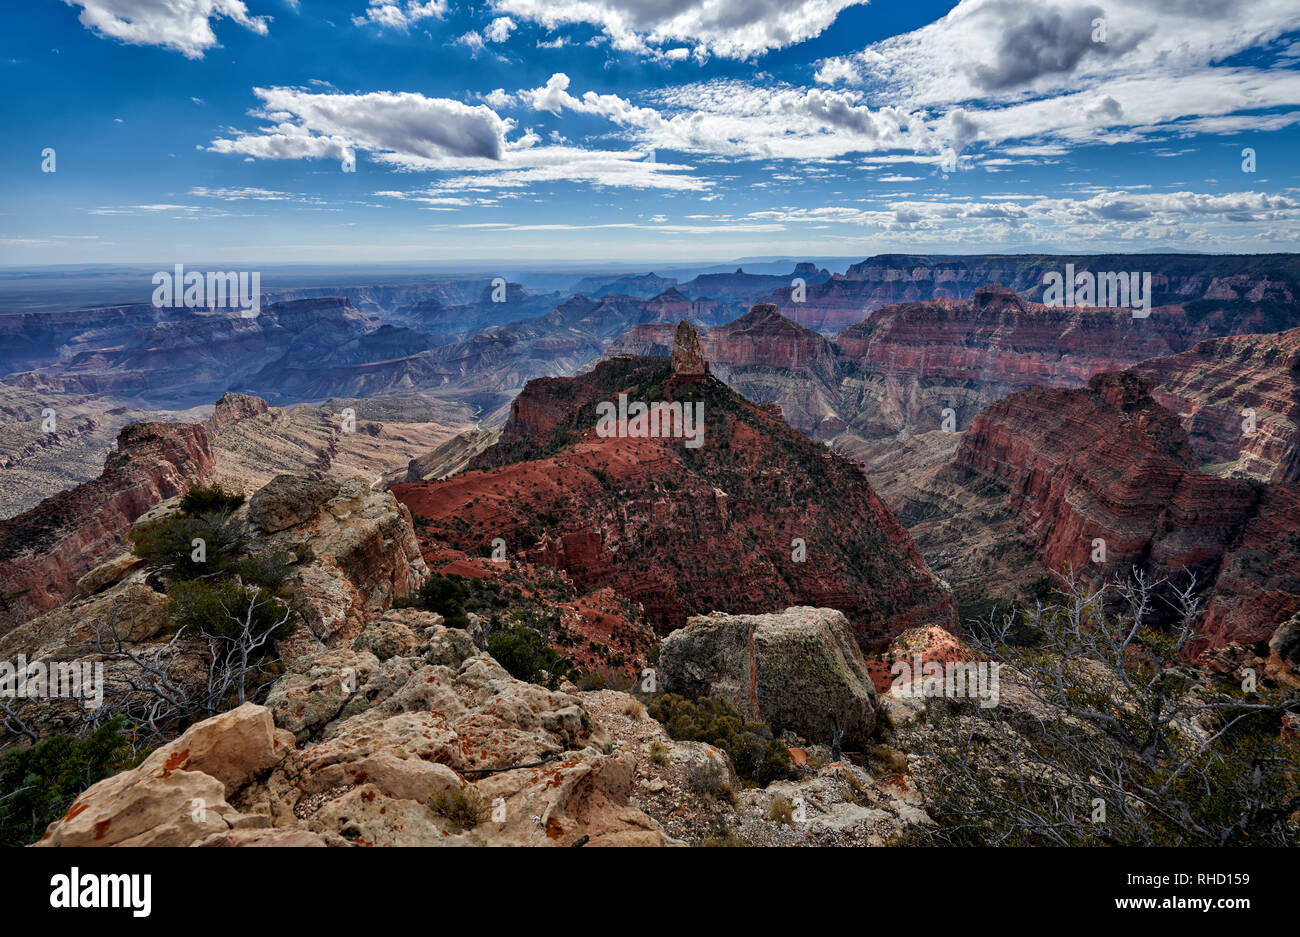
(220, 609)
(756, 755)
(524, 654)
(38, 784)
(168, 544)
(268, 570)
(212, 499)
(446, 595)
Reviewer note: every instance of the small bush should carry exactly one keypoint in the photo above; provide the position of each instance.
(757, 756)
(522, 651)
(212, 499)
(268, 570)
(39, 784)
(781, 811)
(659, 753)
(169, 544)
(446, 595)
(634, 710)
(709, 780)
(220, 609)
(464, 807)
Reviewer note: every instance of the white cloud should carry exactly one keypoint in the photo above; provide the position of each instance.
(728, 28)
(1064, 69)
(393, 15)
(412, 132)
(181, 25)
(499, 29)
(388, 124)
(471, 39)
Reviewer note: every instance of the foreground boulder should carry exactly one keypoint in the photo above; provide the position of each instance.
(787, 669)
(179, 794)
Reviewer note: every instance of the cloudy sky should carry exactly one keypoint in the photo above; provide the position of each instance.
(397, 130)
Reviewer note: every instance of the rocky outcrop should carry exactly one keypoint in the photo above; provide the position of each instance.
(360, 542)
(766, 358)
(452, 456)
(178, 796)
(45, 551)
(789, 669)
(687, 360)
(757, 517)
(434, 745)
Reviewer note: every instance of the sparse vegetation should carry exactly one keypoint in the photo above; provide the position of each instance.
(781, 811)
(464, 807)
(184, 546)
(524, 653)
(756, 755)
(1115, 738)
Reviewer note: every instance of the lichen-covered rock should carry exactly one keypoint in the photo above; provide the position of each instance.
(108, 573)
(787, 669)
(287, 501)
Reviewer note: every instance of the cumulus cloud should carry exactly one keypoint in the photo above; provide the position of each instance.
(499, 29)
(396, 124)
(1006, 48)
(394, 15)
(413, 132)
(184, 26)
(728, 28)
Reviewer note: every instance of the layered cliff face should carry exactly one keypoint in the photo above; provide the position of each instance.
(37, 339)
(1104, 479)
(682, 529)
(895, 373)
(47, 549)
(1271, 281)
(193, 358)
(744, 288)
(1239, 399)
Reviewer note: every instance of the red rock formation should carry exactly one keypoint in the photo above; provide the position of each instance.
(47, 549)
(1209, 387)
(680, 530)
(1110, 463)
(1003, 341)
(687, 360)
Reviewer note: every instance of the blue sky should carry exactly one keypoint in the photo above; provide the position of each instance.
(653, 130)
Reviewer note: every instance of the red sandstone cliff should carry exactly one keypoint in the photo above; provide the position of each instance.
(47, 549)
(1209, 387)
(1109, 463)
